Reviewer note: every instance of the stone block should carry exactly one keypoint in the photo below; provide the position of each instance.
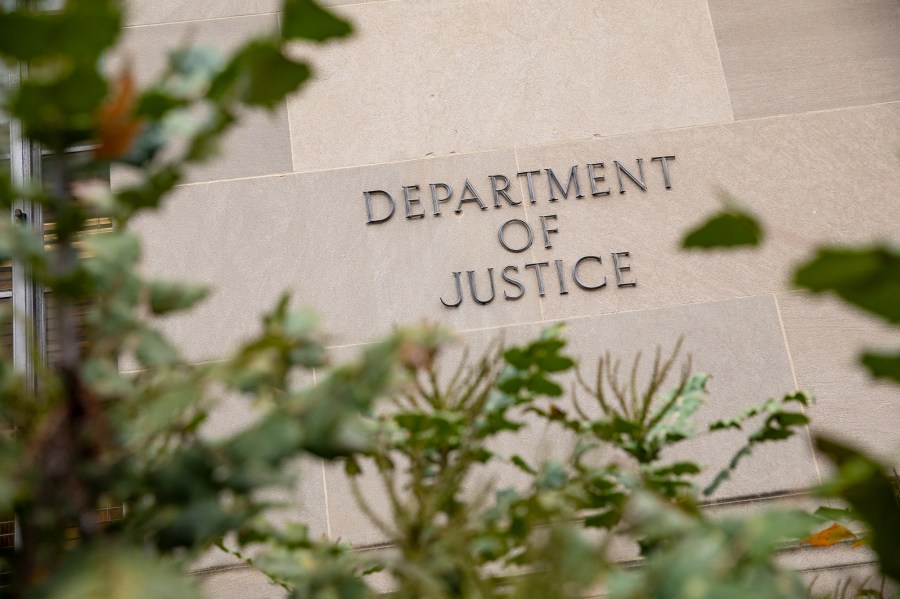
(150, 12)
(441, 77)
(826, 339)
(251, 239)
(791, 57)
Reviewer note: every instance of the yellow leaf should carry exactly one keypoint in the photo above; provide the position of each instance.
(831, 535)
(116, 126)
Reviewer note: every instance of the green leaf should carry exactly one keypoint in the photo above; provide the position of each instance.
(869, 489)
(517, 357)
(791, 419)
(165, 296)
(120, 573)
(154, 104)
(779, 424)
(868, 278)
(259, 75)
(81, 32)
(522, 465)
(540, 385)
(556, 363)
(154, 350)
(836, 515)
(673, 420)
(25, 36)
(273, 439)
(63, 110)
(883, 366)
(305, 19)
(552, 476)
(606, 519)
(730, 228)
(678, 469)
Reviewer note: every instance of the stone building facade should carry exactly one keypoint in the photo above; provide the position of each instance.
(599, 129)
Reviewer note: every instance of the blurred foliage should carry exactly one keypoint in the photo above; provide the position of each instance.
(83, 435)
(868, 278)
(733, 226)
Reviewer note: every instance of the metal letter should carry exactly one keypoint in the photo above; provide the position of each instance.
(528, 178)
(475, 297)
(663, 162)
(515, 282)
(575, 273)
(537, 271)
(551, 180)
(562, 278)
(620, 268)
(594, 178)
(546, 230)
(458, 292)
(502, 192)
(435, 200)
(621, 169)
(474, 198)
(500, 235)
(368, 196)
(410, 201)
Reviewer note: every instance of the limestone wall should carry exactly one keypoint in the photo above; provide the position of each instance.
(793, 107)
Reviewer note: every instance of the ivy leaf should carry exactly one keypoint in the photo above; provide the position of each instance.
(730, 228)
(867, 277)
(305, 19)
(883, 366)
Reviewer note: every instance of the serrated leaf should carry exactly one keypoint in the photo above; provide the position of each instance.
(674, 416)
(679, 469)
